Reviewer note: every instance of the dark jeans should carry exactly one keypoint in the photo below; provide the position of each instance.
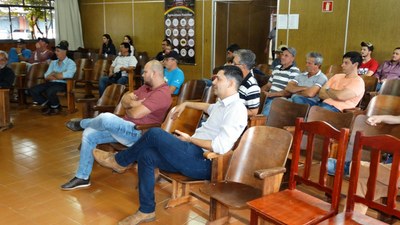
(106, 80)
(159, 149)
(48, 92)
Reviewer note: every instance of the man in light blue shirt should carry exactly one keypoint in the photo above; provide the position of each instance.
(46, 94)
(172, 74)
(20, 53)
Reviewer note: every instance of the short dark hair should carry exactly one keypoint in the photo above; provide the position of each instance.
(233, 73)
(168, 41)
(127, 45)
(233, 47)
(355, 57)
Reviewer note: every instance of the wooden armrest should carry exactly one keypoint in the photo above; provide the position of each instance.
(211, 155)
(104, 108)
(257, 120)
(86, 100)
(262, 174)
(147, 126)
(289, 128)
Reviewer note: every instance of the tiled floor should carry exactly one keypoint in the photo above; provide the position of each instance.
(39, 154)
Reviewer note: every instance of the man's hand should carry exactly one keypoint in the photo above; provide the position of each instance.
(51, 76)
(182, 136)
(178, 111)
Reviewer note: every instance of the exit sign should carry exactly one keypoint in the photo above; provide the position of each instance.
(327, 6)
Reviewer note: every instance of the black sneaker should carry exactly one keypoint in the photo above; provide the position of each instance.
(74, 125)
(75, 183)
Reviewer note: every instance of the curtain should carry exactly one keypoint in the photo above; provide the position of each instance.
(68, 23)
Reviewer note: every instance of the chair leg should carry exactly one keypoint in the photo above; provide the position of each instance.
(180, 194)
(70, 97)
(219, 213)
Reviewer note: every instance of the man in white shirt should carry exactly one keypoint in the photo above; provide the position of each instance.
(183, 153)
(119, 68)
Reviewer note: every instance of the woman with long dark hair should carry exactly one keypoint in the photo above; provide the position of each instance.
(128, 39)
(108, 47)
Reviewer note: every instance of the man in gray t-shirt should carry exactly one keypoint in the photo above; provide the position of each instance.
(305, 87)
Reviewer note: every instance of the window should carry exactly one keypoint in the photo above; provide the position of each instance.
(27, 19)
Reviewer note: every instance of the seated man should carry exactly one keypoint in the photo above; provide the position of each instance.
(344, 90)
(229, 53)
(369, 65)
(183, 153)
(42, 54)
(165, 45)
(280, 77)
(249, 91)
(389, 69)
(119, 68)
(173, 74)
(46, 94)
(305, 87)
(146, 105)
(7, 76)
(20, 53)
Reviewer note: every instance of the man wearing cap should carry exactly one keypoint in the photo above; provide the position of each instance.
(45, 94)
(249, 91)
(277, 60)
(173, 74)
(20, 53)
(280, 77)
(344, 90)
(42, 53)
(118, 72)
(305, 87)
(369, 65)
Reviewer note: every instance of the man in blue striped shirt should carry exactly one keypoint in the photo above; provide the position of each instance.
(46, 94)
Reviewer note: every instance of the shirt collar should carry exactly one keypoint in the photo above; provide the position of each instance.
(228, 100)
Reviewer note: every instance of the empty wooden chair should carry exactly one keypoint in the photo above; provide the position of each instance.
(293, 206)
(33, 77)
(255, 169)
(376, 145)
(92, 75)
(370, 86)
(91, 107)
(191, 90)
(19, 69)
(390, 87)
(383, 105)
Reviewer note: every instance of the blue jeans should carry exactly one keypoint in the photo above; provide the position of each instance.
(47, 92)
(106, 80)
(303, 100)
(328, 107)
(104, 128)
(267, 106)
(332, 167)
(159, 149)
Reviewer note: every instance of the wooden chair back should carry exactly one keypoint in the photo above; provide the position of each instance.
(260, 147)
(284, 113)
(209, 96)
(191, 90)
(336, 119)
(82, 63)
(35, 72)
(383, 105)
(18, 68)
(376, 145)
(100, 66)
(330, 135)
(332, 70)
(112, 95)
(187, 121)
(390, 87)
(370, 83)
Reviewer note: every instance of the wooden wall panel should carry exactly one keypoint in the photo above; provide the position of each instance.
(92, 18)
(376, 22)
(221, 42)
(116, 25)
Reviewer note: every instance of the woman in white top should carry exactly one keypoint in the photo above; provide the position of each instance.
(128, 39)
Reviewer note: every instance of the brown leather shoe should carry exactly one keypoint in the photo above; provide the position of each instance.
(138, 218)
(107, 159)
